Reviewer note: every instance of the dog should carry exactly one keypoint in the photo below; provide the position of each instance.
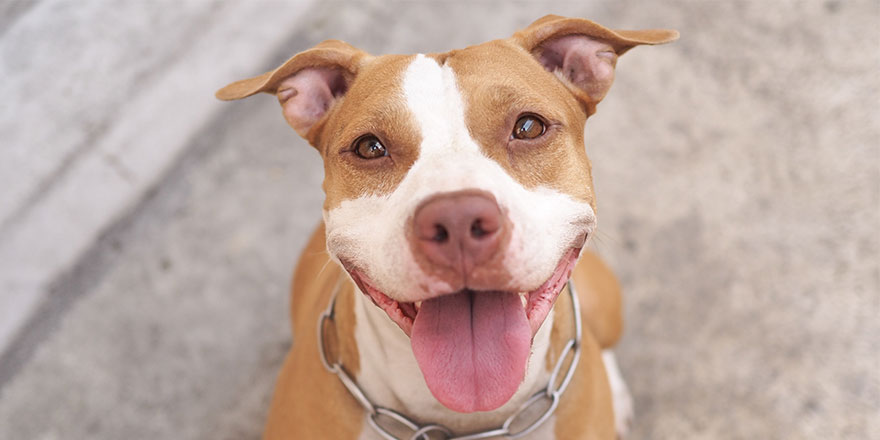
(448, 292)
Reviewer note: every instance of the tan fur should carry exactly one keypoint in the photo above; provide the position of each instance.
(310, 402)
(378, 88)
(600, 297)
(489, 76)
(330, 53)
(585, 410)
(601, 300)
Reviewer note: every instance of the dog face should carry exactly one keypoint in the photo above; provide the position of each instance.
(458, 190)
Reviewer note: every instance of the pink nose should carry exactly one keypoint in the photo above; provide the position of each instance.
(459, 230)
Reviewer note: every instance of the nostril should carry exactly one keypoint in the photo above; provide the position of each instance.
(441, 234)
(477, 229)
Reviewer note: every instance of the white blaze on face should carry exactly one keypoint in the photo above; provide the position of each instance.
(369, 232)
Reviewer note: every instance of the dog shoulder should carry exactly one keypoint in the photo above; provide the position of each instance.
(600, 295)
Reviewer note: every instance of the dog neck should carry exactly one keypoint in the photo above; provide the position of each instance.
(390, 376)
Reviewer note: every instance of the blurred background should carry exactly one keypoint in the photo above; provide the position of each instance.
(148, 232)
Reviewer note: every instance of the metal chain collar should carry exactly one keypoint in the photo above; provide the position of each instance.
(528, 417)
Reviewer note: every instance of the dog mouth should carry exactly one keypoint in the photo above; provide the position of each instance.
(473, 346)
(536, 303)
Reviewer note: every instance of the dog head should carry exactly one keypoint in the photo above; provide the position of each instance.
(459, 193)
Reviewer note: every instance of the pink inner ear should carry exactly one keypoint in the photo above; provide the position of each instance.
(587, 63)
(307, 96)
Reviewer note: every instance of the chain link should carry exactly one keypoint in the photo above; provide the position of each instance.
(528, 417)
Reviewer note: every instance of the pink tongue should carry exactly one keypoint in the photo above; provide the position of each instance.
(472, 348)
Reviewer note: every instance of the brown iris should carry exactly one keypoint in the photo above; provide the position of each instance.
(528, 127)
(369, 147)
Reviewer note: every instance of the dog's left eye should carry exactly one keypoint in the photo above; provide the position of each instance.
(527, 127)
(369, 147)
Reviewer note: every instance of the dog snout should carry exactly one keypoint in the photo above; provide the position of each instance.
(459, 231)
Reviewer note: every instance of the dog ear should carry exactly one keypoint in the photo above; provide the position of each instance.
(307, 85)
(582, 53)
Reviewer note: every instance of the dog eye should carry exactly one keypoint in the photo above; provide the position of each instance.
(369, 147)
(527, 127)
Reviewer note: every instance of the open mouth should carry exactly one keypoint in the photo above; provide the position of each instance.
(536, 303)
(473, 346)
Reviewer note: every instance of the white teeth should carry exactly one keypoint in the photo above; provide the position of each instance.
(524, 297)
(418, 305)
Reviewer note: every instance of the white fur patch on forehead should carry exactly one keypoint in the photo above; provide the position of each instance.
(433, 97)
(369, 232)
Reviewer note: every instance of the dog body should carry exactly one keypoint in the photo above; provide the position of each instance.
(459, 200)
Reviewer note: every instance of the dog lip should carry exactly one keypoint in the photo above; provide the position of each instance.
(403, 314)
(538, 301)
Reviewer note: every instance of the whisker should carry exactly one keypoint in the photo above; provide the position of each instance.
(327, 263)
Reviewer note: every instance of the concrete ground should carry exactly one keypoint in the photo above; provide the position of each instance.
(98, 104)
(738, 174)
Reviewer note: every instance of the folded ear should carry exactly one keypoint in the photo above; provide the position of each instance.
(307, 85)
(582, 53)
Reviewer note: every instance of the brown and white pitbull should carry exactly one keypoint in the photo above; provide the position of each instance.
(459, 201)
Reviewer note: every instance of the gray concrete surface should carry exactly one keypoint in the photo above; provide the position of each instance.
(738, 174)
(98, 103)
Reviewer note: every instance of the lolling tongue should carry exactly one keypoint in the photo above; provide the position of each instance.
(472, 348)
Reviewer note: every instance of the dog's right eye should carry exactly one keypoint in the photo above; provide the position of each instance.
(527, 127)
(369, 147)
